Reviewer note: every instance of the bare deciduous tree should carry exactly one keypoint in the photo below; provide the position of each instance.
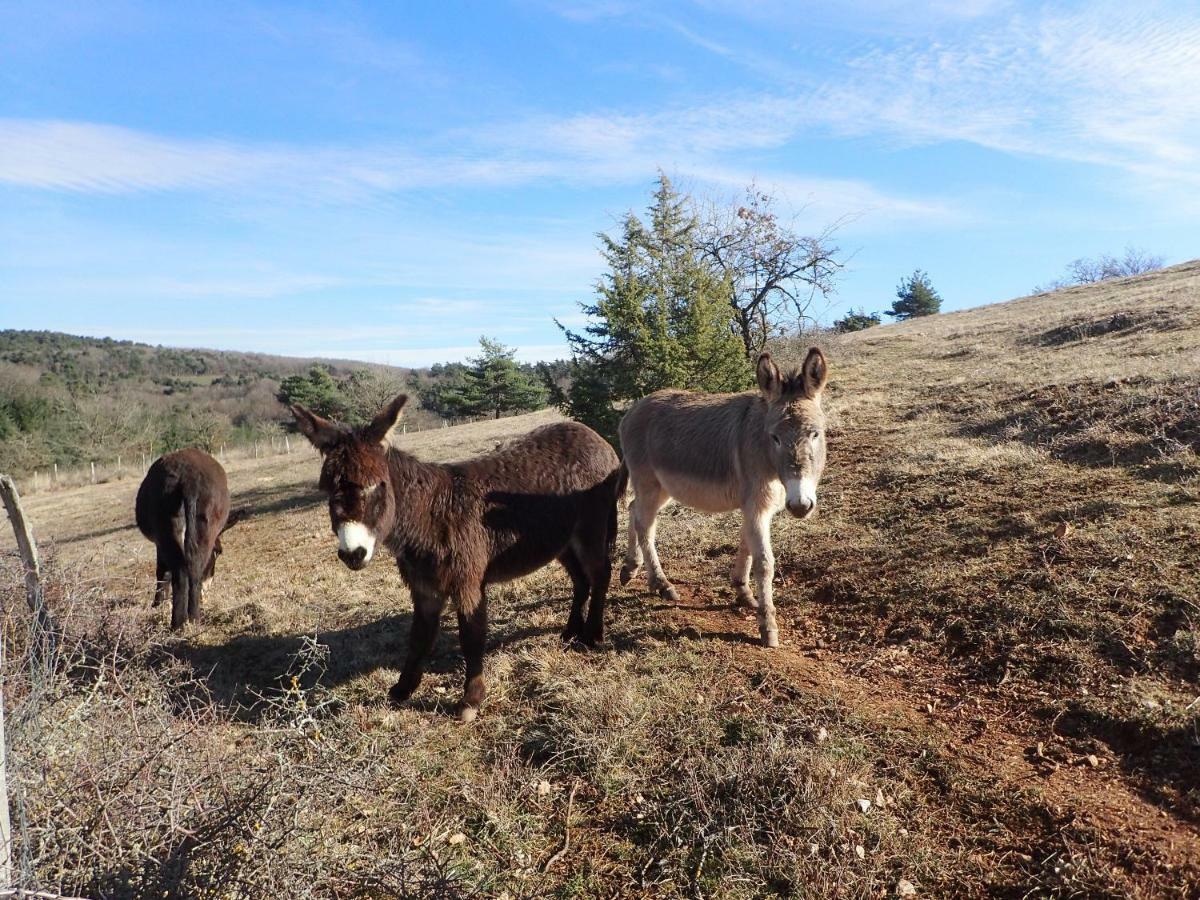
(773, 274)
(1103, 267)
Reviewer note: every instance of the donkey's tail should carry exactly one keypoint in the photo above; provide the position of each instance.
(191, 537)
(620, 486)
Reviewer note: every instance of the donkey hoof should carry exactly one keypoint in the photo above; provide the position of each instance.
(743, 597)
(770, 638)
(400, 692)
(467, 713)
(627, 573)
(668, 593)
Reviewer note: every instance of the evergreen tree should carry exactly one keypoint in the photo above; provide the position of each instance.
(317, 390)
(915, 297)
(856, 321)
(495, 384)
(660, 318)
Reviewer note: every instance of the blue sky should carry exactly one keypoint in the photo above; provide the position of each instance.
(389, 181)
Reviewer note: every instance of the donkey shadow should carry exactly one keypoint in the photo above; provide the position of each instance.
(243, 673)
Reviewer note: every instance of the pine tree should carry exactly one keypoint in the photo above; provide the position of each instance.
(496, 384)
(318, 390)
(915, 296)
(660, 318)
(856, 321)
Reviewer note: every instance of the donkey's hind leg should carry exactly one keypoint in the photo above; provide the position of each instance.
(580, 585)
(650, 498)
(593, 551)
(162, 575)
(633, 549)
(472, 637)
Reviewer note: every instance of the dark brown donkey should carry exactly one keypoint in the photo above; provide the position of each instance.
(454, 529)
(183, 506)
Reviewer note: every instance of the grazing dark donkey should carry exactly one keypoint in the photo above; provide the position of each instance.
(454, 529)
(183, 506)
(759, 451)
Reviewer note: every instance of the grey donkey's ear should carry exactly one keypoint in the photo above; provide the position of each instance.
(815, 373)
(379, 431)
(321, 433)
(770, 382)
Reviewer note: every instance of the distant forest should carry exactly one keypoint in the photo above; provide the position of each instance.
(68, 400)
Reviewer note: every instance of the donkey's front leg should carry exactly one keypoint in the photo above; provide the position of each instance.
(472, 637)
(764, 575)
(427, 616)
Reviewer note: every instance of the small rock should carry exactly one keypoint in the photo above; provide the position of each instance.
(863, 804)
(860, 851)
(880, 800)
(1093, 760)
(821, 645)
(905, 888)
(1041, 749)
(457, 838)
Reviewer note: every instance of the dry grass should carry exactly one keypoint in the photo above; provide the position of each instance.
(1002, 588)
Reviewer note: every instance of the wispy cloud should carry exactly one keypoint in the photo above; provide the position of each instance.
(586, 149)
(1106, 86)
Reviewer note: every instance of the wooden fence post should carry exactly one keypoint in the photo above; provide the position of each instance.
(93, 471)
(56, 473)
(6, 842)
(43, 622)
(288, 444)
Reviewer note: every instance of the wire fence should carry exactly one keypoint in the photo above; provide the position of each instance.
(134, 464)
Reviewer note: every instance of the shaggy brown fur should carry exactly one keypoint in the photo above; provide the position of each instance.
(454, 529)
(183, 506)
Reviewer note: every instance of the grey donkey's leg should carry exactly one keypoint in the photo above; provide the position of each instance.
(646, 517)
(633, 548)
(739, 575)
(764, 574)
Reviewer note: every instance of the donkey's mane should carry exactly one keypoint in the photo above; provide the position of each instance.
(792, 383)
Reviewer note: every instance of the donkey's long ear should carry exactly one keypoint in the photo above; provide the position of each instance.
(770, 382)
(321, 433)
(815, 373)
(381, 427)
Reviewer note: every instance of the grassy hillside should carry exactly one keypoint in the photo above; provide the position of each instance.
(70, 400)
(987, 686)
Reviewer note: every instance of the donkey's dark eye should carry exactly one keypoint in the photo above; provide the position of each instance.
(775, 438)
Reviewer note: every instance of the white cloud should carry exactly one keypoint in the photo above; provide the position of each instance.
(586, 149)
(1109, 86)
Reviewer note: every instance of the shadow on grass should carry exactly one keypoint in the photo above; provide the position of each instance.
(263, 501)
(243, 670)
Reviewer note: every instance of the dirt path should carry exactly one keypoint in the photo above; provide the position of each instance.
(982, 731)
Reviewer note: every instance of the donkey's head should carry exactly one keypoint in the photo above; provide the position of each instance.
(796, 427)
(354, 475)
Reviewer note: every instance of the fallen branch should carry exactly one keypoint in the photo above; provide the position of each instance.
(566, 831)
